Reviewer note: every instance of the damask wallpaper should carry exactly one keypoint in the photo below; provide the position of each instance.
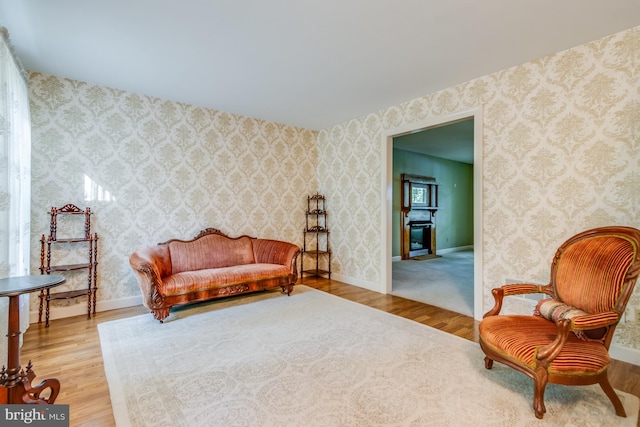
(152, 170)
(561, 154)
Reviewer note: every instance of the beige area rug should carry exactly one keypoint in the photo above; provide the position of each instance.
(314, 359)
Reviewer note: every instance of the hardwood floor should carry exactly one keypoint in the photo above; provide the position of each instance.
(69, 349)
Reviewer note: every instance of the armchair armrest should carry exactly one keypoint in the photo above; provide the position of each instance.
(515, 289)
(594, 321)
(547, 353)
(577, 325)
(525, 288)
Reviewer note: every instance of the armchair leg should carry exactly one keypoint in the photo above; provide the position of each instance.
(606, 387)
(540, 380)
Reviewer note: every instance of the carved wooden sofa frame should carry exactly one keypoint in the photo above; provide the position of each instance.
(211, 265)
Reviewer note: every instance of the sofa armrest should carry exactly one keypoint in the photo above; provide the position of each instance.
(277, 252)
(150, 265)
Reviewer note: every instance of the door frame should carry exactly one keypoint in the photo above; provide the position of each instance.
(386, 151)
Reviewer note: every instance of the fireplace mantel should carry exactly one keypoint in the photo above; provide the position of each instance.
(419, 196)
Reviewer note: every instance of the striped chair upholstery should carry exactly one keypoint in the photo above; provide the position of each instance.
(566, 340)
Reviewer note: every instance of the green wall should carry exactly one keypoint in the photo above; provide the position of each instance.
(454, 219)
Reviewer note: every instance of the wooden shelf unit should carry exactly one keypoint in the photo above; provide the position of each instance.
(316, 239)
(49, 244)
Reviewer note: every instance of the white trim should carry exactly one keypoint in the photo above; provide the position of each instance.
(386, 154)
(456, 249)
(625, 354)
(440, 251)
(81, 309)
(372, 286)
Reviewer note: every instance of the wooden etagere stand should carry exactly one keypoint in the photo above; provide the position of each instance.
(316, 239)
(88, 242)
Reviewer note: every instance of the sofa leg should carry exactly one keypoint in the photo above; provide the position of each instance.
(161, 313)
(289, 288)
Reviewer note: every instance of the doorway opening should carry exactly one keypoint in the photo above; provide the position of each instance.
(391, 224)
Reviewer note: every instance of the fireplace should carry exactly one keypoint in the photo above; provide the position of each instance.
(418, 207)
(420, 238)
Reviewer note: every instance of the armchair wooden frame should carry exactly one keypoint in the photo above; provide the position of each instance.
(558, 360)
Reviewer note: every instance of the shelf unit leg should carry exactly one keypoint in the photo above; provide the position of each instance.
(89, 306)
(95, 271)
(46, 324)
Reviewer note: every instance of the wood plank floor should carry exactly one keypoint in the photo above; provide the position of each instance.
(69, 349)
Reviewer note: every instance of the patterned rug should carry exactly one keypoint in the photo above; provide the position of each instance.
(313, 359)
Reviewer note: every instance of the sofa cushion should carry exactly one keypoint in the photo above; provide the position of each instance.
(210, 251)
(192, 281)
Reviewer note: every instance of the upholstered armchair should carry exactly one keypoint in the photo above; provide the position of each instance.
(566, 340)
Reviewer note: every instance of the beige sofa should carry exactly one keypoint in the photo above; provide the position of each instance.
(212, 265)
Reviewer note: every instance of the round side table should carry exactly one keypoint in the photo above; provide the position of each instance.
(13, 378)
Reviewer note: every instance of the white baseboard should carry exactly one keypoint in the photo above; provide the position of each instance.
(439, 251)
(355, 282)
(81, 309)
(625, 354)
(456, 249)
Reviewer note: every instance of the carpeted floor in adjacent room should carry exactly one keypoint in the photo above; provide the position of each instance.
(445, 281)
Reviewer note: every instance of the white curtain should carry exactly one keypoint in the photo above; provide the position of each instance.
(15, 180)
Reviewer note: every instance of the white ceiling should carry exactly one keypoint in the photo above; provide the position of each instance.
(306, 63)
